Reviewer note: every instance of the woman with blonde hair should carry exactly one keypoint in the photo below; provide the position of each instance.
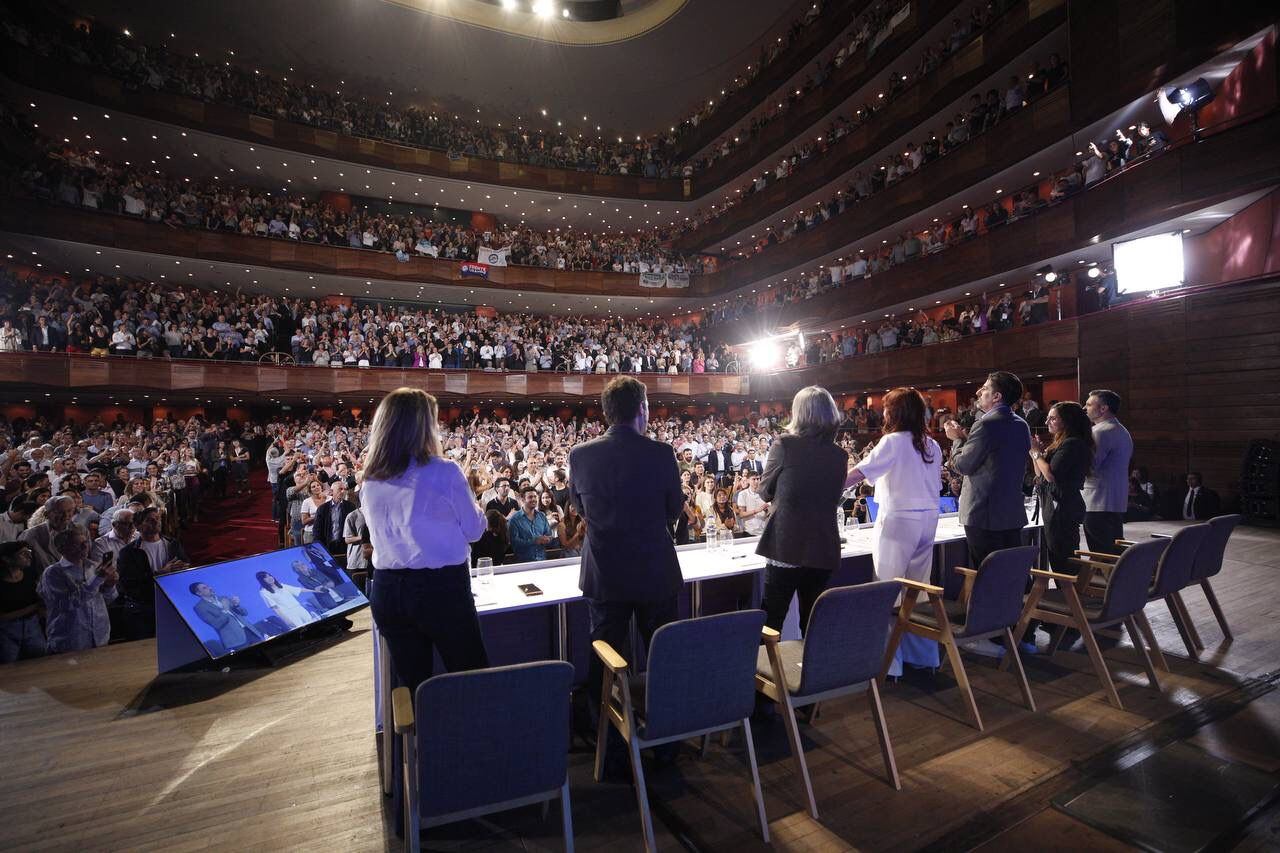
(803, 479)
(906, 469)
(422, 517)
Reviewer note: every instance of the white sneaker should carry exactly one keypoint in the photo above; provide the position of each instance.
(986, 648)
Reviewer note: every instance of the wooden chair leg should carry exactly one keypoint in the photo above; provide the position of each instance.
(1149, 637)
(797, 749)
(909, 598)
(566, 816)
(602, 728)
(1217, 610)
(953, 654)
(1180, 622)
(1091, 645)
(1011, 648)
(756, 790)
(702, 748)
(1028, 608)
(1055, 640)
(642, 797)
(1187, 620)
(1135, 636)
(882, 731)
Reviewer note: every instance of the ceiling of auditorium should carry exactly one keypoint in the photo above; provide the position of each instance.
(636, 83)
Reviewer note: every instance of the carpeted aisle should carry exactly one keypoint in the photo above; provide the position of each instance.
(235, 527)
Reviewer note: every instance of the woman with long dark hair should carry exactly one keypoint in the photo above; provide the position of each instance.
(422, 517)
(1061, 468)
(906, 469)
(802, 480)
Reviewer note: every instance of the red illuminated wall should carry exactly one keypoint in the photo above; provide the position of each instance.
(1248, 89)
(1244, 246)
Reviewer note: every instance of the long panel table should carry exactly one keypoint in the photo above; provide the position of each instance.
(520, 628)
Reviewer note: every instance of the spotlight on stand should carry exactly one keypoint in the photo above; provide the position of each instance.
(1186, 99)
(1048, 273)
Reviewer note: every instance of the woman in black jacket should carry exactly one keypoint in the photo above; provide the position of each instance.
(1061, 468)
(803, 480)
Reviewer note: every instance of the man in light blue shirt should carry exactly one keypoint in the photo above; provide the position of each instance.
(76, 593)
(529, 531)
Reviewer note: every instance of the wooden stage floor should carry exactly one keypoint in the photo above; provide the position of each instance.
(100, 755)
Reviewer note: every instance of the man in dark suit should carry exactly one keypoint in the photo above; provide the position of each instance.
(719, 462)
(752, 465)
(326, 526)
(627, 488)
(993, 459)
(46, 337)
(1198, 503)
(226, 616)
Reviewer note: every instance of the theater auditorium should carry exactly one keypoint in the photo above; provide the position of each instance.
(640, 425)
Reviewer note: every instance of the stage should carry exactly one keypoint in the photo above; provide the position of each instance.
(100, 754)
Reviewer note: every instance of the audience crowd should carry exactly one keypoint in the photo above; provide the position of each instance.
(130, 318)
(81, 178)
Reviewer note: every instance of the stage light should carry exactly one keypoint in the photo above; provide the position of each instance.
(509, 5)
(764, 355)
(543, 8)
(1148, 263)
(1189, 99)
(1094, 272)
(1047, 273)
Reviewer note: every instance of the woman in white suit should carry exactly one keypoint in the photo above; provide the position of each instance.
(906, 469)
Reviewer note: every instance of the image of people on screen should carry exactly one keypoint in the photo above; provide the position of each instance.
(225, 615)
(328, 592)
(282, 599)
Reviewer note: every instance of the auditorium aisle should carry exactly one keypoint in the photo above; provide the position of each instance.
(237, 526)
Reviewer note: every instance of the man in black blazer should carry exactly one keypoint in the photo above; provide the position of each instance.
(993, 459)
(326, 526)
(752, 465)
(626, 486)
(1197, 503)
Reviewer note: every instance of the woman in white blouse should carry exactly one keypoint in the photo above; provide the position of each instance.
(906, 469)
(422, 517)
(282, 599)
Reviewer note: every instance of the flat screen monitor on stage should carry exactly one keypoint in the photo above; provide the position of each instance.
(237, 605)
(945, 505)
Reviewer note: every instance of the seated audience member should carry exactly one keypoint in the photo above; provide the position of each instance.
(530, 531)
(76, 594)
(1142, 497)
(21, 634)
(1198, 502)
(495, 542)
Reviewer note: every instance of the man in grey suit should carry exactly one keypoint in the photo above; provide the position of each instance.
(226, 616)
(626, 486)
(1106, 489)
(993, 459)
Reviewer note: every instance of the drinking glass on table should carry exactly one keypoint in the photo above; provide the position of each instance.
(482, 578)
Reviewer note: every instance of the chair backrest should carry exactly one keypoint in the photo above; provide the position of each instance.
(1131, 579)
(995, 602)
(845, 641)
(702, 673)
(1214, 548)
(1178, 560)
(492, 735)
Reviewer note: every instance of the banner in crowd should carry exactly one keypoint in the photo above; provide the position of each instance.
(677, 279)
(429, 249)
(495, 257)
(467, 268)
(652, 279)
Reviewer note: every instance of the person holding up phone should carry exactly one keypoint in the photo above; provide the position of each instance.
(76, 594)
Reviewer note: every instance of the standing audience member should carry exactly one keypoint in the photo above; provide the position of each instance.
(803, 479)
(626, 487)
(13, 521)
(1106, 489)
(421, 516)
(21, 635)
(753, 509)
(330, 518)
(42, 537)
(76, 594)
(530, 531)
(993, 459)
(140, 562)
(905, 467)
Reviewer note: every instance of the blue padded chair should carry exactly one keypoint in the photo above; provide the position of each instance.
(1173, 572)
(699, 681)
(1124, 596)
(990, 605)
(1208, 564)
(484, 741)
(842, 650)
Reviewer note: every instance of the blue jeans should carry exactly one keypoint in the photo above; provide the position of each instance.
(21, 639)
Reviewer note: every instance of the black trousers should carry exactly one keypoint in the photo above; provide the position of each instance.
(780, 583)
(1102, 529)
(611, 621)
(982, 542)
(421, 611)
(1061, 539)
